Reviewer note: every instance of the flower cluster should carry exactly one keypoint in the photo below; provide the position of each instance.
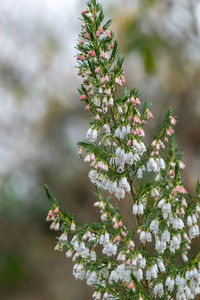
(152, 259)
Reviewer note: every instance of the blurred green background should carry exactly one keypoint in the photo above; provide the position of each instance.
(41, 120)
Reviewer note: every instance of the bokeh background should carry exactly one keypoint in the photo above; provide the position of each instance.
(41, 120)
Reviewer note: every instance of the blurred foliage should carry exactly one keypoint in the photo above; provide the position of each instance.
(12, 269)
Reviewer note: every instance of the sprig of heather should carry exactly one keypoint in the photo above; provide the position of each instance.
(152, 260)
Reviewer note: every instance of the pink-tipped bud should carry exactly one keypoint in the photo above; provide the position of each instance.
(120, 223)
(173, 121)
(81, 57)
(87, 36)
(97, 117)
(50, 214)
(102, 54)
(92, 156)
(149, 115)
(106, 56)
(137, 100)
(83, 97)
(130, 118)
(113, 45)
(183, 190)
(115, 226)
(101, 30)
(87, 107)
(128, 262)
(171, 173)
(56, 210)
(98, 33)
(129, 143)
(117, 239)
(123, 233)
(118, 81)
(108, 34)
(108, 91)
(131, 285)
(123, 79)
(93, 54)
(80, 152)
(181, 165)
(166, 139)
(106, 78)
(131, 245)
(84, 12)
(97, 70)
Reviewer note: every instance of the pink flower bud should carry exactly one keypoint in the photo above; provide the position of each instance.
(129, 143)
(56, 210)
(166, 139)
(130, 118)
(108, 92)
(128, 262)
(181, 165)
(106, 56)
(137, 100)
(123, 79)
(123, 233)
(97, 70)
(84, 12)
(50, 214)
(108, 34)
(173, 121)
(115, 226)
(183, 190)
(171, 173)
(92, 156)
(81, 57)
(87, 36)
(83, 97)
(93, 54)
(101, 30)
(87, 107)
(120, 223)
(131, 285)
(106, 78)
(118, 81)
(117, 239)
(97, 33)
(97, 117)
(80, 152)
(92, 164)
(113, 45)
(102, 54)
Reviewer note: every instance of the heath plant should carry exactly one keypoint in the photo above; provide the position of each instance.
(153, 259)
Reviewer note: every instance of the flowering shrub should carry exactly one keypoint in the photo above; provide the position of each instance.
(152, 260)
